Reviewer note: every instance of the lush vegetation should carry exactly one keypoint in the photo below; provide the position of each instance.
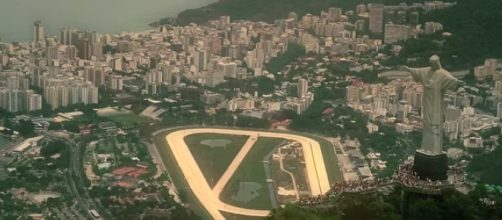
(106, 195)
(252, 122)
(476, 27)
(129, 120)
(53, 147)
(294, 52)
(487, 167)
(26, 128)
(342, 69)
(294, 212)
(449, 205)
(261, 84)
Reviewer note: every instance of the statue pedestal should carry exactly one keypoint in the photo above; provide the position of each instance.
(431, 166)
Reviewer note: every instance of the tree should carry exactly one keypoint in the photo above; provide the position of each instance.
(368, 207)
(458, 206)
(487, 166)
(277, 63)
(5, 114)
(71, 126)
(54, 126)
(424, 209)
(294, 212)
(26, 128)
(383, 211)
(53, 147)
(245, 121)
(88, 111)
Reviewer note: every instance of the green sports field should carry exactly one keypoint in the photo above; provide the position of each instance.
(129, 119)
(214, 152)
(251, 170)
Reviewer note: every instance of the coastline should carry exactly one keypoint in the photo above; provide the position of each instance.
(110, 17)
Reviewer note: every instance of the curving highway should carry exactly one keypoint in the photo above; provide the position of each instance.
(209, 198)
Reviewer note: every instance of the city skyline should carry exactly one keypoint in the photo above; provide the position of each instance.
(289, 110)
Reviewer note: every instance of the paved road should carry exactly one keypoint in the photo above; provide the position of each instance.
(316, 171)
(70, 177)
(76, 181)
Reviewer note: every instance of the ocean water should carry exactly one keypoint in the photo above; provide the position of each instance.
(104, 16)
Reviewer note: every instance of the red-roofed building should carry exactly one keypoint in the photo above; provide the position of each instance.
(123, 184)
(328, 111)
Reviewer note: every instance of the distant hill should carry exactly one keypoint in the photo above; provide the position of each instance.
(477, 31)
(268, 10)
(476, 24)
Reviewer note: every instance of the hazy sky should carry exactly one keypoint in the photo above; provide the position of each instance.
(115, 16)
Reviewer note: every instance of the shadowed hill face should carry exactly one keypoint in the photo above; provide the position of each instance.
(476, 27)
(268, 10)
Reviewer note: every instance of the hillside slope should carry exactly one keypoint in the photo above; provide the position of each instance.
(477, 31)
(268, 10)
(476, 25)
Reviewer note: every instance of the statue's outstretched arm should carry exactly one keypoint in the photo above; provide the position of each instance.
(452, 83)
(416, 73)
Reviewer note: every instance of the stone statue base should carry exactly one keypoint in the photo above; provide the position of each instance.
(428, 166)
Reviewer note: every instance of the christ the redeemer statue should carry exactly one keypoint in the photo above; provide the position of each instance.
(435, 81)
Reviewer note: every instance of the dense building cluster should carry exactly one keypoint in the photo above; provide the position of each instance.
(16, 95)
(72, 67)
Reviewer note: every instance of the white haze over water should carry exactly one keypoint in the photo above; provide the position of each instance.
(105, 16)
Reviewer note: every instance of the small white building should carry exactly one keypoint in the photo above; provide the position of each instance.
(455, 153)
(473, 143)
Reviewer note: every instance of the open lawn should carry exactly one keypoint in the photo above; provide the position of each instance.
(128, 119)
(214, 152)
(251, 170)
(330, 160)
(297, 168)
(230, 216)
(281, 179)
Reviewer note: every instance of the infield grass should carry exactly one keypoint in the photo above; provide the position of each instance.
(214, 152)
(251, 170)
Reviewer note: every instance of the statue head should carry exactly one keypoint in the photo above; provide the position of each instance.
(435, 63)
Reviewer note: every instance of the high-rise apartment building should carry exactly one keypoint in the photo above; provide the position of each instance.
(115, 82)
(376, 18)
(51, 53)
(334, 14)
(303, 86)
(38, 31)
(396, 32)
(84, 49)
(65, 36)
